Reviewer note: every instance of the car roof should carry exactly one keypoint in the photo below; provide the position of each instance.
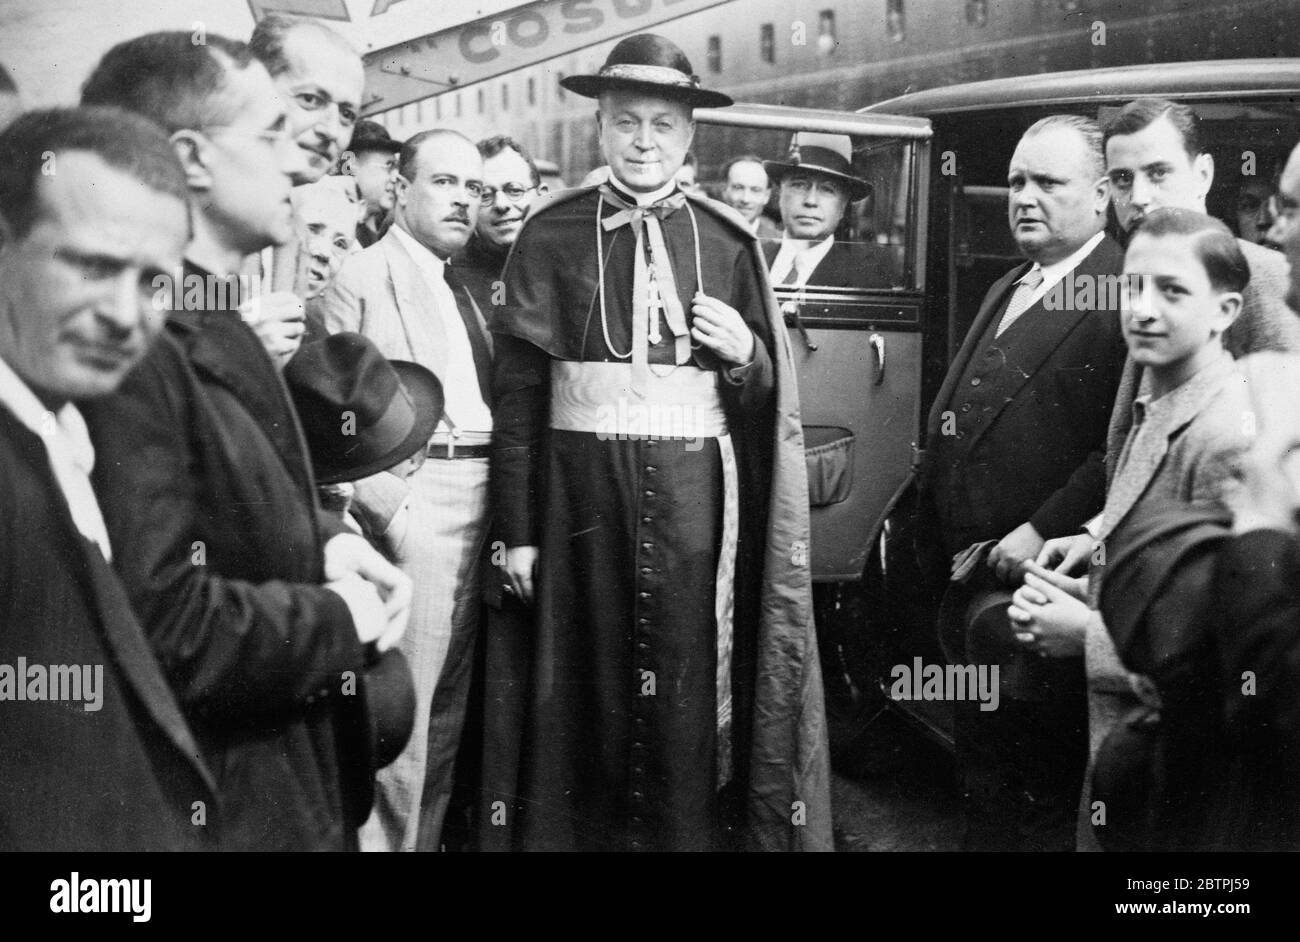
(1185, 81)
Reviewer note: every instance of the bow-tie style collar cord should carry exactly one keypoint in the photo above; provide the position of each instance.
(644, 221)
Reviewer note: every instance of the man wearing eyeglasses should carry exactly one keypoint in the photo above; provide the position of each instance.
(510, 184)
(404, 295)
(259, 607)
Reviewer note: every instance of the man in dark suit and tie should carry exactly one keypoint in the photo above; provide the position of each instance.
(114, 766)
(816, 183)
(1014, 453)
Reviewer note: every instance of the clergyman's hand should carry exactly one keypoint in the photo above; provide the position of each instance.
(521, 569)
(720, 328)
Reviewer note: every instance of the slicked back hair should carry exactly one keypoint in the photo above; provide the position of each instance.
(1140, 114)
(271, 32)
(742, 159)
(491, 146)
(1087, 129)
(1212, 241)
(168, 78)
(407, 160)
(126, 142)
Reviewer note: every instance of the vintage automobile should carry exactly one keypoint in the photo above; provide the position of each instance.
(870, 358)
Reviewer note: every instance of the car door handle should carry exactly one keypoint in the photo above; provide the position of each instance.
(878, 344)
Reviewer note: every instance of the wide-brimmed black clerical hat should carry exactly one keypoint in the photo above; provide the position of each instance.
(360, 412)
(830, 161)
(648, 63)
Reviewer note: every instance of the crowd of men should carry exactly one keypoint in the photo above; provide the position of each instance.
(410, 469)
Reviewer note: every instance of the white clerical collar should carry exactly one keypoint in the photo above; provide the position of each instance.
(641, 199)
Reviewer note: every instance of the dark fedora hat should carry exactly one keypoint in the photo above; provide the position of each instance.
(829, 156)
(371, 135)
(648, 63)
(360, 412)
(974, 628)
(373, 727)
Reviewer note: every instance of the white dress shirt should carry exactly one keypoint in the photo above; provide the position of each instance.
(801, 255)
(1057, 271)
(465, 406)
(67, 444)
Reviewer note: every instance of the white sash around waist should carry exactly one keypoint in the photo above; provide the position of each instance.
(598, 398)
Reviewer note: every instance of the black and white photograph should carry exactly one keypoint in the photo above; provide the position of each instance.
(653, 426)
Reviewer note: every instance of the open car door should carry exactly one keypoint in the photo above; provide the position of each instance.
(855, 326)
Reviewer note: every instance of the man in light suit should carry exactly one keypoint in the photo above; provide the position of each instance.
(401, 293)
(119, 770)
(1014, 447)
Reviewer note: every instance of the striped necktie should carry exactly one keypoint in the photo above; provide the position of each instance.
(1029, 283)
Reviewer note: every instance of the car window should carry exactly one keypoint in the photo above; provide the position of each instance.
(870, 238)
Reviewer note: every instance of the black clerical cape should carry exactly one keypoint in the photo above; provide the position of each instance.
(620, 748)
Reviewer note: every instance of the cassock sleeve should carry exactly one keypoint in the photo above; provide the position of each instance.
(229, 647)
(748, 387)
(528, 322)
(521, 389)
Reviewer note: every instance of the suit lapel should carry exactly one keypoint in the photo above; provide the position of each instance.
(994, 303)
(133, 654)
(1140, 469)
(1042, 331)
(417, 310)
(122, 633)
(1142, 465)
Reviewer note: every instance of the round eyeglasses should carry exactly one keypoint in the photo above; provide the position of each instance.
(513, 192)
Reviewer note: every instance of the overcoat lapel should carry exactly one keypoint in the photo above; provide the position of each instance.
(221, 348)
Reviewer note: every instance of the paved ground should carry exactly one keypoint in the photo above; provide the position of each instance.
(898, 794)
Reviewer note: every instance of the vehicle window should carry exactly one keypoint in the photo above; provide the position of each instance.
(852, 232)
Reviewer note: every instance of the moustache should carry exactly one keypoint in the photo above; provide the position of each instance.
(457, 217)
